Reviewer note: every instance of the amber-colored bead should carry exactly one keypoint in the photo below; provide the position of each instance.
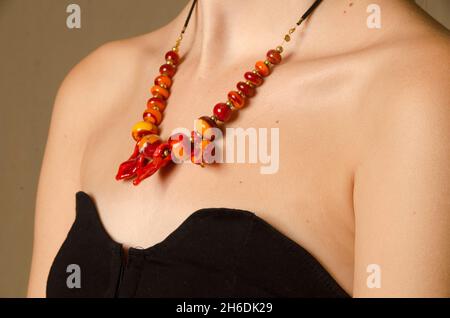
(143, 128)
(203, 126)
(253, 78)
(164, 81)
(156, 102)
(172, 56)
(246, 89)
(222, 112)
(160, 91)
(153, 116)
(236, 99)
(274, 57)
(262, 68)
(167, 69)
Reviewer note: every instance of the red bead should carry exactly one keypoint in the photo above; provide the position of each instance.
(172, 56)
(167, 69)
(246, 89)
(222, 112)
(158, 102)
(253, 78)
(274, 57)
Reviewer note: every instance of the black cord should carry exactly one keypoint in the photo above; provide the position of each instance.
(189, 16)
(303, 18)
(309, 11)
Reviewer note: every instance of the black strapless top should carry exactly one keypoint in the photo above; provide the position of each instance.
(215, 252)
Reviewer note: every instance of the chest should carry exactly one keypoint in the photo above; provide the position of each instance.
(298, 129)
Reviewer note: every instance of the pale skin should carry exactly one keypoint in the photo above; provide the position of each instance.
(364, 139)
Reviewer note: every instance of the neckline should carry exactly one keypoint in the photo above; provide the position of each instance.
(82, 195)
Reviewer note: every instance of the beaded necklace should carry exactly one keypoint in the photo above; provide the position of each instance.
(151, 153)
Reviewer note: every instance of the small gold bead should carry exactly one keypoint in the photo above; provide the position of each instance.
(214, 118)
(249, 84)
(166, 152)
(279, 49)
(242, 94)
(267, 63)
(230, 104)
(287, 37)
(156, 108)
(255, 71)
(291, 30)
(169, 62)
(175, 49)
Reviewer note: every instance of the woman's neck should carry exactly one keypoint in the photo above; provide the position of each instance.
(227, 29)
(223, 31)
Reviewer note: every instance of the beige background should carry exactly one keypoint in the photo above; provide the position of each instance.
(36, 52)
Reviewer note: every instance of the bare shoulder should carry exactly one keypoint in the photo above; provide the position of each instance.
(411, 74)
(106, 73)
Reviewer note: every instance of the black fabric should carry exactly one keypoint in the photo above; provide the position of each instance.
(215, 252)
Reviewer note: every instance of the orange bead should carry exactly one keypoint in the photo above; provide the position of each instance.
(160, 91)
(262, 68)
(153, 116)
(236, 99)
(163, 81)
(156, 102)
(143, 128)
(203, 125)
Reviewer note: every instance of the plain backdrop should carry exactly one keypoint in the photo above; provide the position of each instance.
(36, 51)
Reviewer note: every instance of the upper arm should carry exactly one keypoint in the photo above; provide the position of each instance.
(73, 119)
(402, 197)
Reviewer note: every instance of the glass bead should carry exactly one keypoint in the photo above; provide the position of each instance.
(143, 128)
(222, 112)
(274, 57)
(156, 102)
(236, 99)
(163, 81)
(160, 91)
(167, 69)
(262, 68)
(253, 78)
(203, 126)
(153, 116)
(246, 89)
(173, 56)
